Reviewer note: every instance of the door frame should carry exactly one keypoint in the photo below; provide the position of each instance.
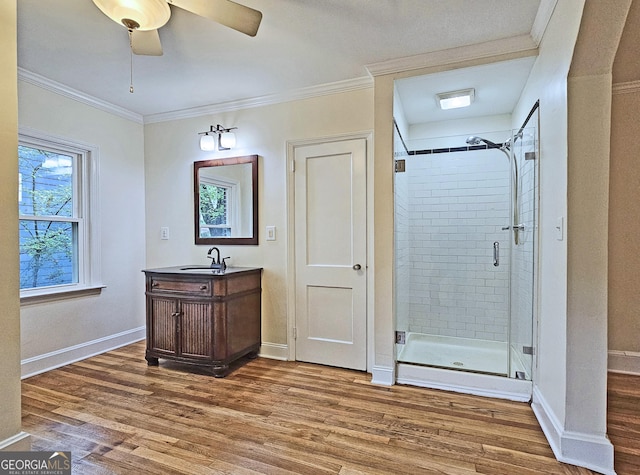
(292, 145)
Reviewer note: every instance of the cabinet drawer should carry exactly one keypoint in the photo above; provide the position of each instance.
(197, 287)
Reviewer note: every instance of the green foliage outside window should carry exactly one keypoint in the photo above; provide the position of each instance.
(46, 246)
(213, 206)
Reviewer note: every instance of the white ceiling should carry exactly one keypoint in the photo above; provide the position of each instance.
(300, 44)
(497, 86)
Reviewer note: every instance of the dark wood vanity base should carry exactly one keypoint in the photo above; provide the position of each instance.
(201, 317)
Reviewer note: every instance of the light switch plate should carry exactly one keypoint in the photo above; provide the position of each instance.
(271, 233)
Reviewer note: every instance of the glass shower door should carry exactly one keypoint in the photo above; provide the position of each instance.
(523, 255)
(452, 256)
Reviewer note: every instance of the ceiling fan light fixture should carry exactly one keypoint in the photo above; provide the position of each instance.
(148, 14)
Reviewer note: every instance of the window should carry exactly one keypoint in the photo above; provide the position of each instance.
(55, 206)
(217, 217)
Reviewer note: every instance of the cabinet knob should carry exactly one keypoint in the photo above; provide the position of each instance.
(154, 284)
(203, 287)
(175, 314)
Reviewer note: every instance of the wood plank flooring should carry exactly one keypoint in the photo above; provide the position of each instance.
(117, 415)
(623, 422)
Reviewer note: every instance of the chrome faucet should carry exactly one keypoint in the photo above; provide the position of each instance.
(216, 263)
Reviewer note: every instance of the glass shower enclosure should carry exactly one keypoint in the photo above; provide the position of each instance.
(465, 252)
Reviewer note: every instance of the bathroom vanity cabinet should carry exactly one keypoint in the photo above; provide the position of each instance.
(201, 316)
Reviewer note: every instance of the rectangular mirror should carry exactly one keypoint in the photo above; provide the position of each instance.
(226, 200)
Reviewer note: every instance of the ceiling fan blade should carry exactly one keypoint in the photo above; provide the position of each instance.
(243, 19)
(146, 42)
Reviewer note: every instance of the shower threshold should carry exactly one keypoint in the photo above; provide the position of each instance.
(464, 354)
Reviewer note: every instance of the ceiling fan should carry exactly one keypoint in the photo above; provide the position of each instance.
(143, 18)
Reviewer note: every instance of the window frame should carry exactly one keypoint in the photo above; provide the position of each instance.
(85, 214)
(232, 202)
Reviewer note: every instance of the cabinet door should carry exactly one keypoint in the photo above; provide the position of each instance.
(196, 330)
(162, 325)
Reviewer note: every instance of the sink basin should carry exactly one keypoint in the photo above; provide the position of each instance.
(203, 269)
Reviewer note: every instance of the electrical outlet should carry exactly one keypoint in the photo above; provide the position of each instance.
(271, 233)
(164, 233)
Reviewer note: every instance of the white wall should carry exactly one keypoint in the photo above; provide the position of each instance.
(52, 331)
(547, 83)
(570, 379)
(172, 147)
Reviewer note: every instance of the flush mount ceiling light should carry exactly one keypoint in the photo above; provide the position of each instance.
(455, 99)
(226, 138)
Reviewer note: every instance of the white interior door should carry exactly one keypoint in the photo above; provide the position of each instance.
(330, 253)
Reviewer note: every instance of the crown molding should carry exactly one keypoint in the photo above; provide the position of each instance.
(294, 95)
(522, 45)
(545, 10)
(66, 91)
(630, 87)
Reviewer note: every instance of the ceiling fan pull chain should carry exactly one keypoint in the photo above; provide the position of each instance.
(131, 61)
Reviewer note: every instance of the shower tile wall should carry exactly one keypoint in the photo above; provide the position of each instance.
(457, 203)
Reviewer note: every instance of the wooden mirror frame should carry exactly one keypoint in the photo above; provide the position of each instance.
(253, 240)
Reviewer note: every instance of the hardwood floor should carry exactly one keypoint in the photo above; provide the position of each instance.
(117, 415)
(623, 422)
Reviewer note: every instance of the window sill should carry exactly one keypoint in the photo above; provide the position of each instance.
(48, 295)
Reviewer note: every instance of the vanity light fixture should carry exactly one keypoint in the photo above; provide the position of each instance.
(226, 138)
(455, 99)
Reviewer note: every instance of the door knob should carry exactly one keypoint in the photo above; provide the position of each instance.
(357, 267)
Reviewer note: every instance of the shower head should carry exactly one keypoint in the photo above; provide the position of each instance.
(511, 140)
(475, 140)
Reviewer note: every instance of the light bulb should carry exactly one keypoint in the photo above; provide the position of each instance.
(207, 143)
(148, 14)
(227, 140)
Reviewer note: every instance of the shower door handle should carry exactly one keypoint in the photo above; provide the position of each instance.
(496, 254)
(517, 227)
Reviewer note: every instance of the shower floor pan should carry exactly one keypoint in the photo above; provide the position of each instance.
(466, 354)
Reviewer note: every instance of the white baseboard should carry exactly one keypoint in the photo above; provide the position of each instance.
(274, 351)
(584, 450)
(21, 442)
(383, 375)
(55, 359)
(627, 362)
(465, 382)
